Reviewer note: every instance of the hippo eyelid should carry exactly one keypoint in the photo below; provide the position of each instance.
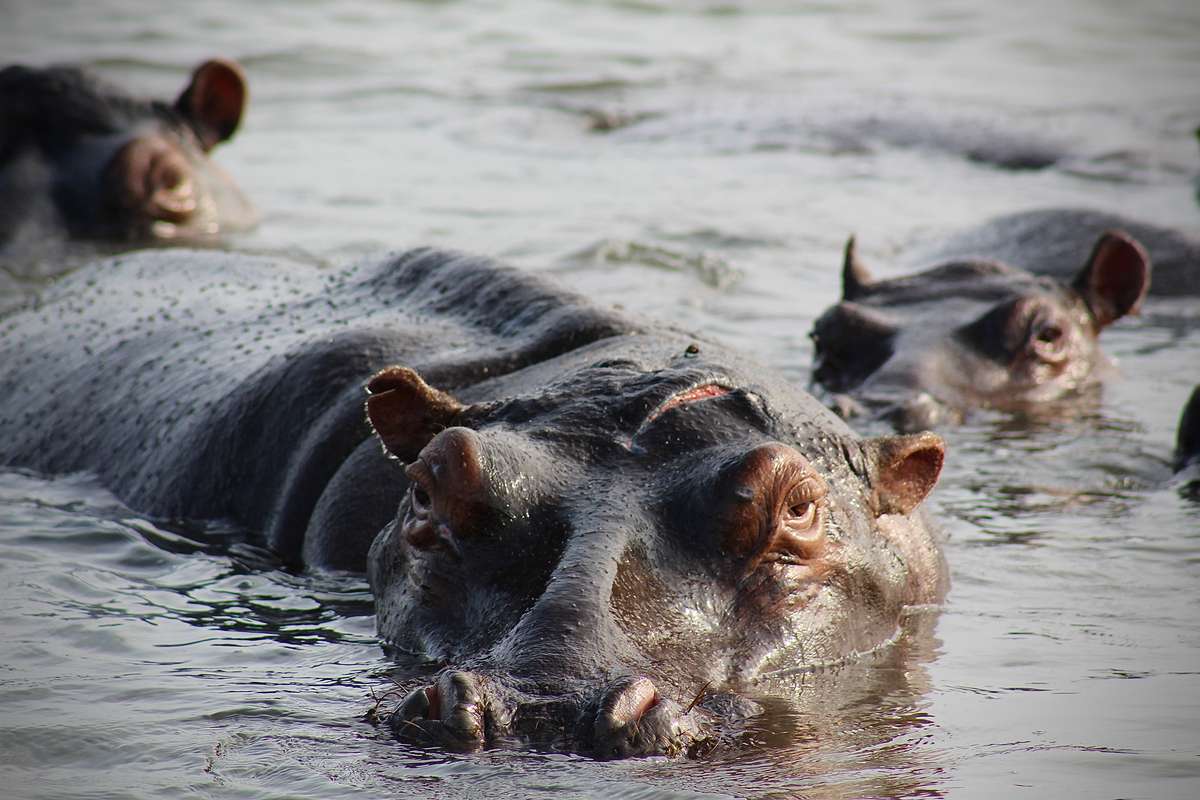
(803, 502)
(792, 516)
(801, 515)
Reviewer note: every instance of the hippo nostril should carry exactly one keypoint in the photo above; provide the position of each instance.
(919, 413)
(628, 703)
(634, 719)
(433, 699)
(450, 712)
(421, 499)
(419, 704)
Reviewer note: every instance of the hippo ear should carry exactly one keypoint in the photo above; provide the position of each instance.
(855, 275)
(214, 100)
(1187, 443)
(406, 412)
(904, 470)
(1115, 278)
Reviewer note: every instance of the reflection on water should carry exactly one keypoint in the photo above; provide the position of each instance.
(702, 162)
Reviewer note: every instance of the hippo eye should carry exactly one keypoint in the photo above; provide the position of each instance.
(800, 516)
(798, 537)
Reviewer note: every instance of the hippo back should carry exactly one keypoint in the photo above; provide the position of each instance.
(219, 385)
(1056, 241)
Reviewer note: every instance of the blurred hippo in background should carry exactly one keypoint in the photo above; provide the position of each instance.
(80, 154)
(603, 532)
(1054, 241)
(1187, 444)
(925, 349)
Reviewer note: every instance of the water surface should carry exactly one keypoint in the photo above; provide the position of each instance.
(701, 162)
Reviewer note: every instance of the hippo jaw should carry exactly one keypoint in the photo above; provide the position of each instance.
(601, 575)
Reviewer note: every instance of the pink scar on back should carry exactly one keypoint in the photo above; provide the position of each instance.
(693, 395)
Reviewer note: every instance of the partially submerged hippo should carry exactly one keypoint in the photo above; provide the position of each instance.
(1054, 241)
(592, 524)
(1187, 441)
(744, 123)
(926, 348)
(77, 152)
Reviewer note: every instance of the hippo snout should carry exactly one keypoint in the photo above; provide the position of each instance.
(921, 412)
(624, 718)
(908, 412)
(633, 719)
(456, 711)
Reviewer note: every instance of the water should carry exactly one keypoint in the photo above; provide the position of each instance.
(138, 662)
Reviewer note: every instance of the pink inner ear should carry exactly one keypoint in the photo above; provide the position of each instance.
(215, 100)
(907, 470)
(406, 412)
(1116, 278)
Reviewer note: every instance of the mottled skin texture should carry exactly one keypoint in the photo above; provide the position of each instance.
(210, 385)
(1055, 241)
(585, 520)
(77, 153)
(925, 349)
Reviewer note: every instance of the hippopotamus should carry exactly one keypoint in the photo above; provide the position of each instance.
(1187, 440)
(604, 531)
(924, 349)
(1054, 241)
(79, 153)
(742, 122)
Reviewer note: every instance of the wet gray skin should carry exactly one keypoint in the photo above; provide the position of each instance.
(1054, 241)
(607, 534)
(926, 349)
(85, 156)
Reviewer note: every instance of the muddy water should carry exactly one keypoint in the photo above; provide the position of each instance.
(701, 162)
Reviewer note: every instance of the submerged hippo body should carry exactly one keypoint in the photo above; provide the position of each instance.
(588, 521)
(925, 349)
(1054, 241)
(81, 154)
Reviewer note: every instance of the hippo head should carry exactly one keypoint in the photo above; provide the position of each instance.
(121, 168)
(926, 348)
(587, 560)
(160, 182)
